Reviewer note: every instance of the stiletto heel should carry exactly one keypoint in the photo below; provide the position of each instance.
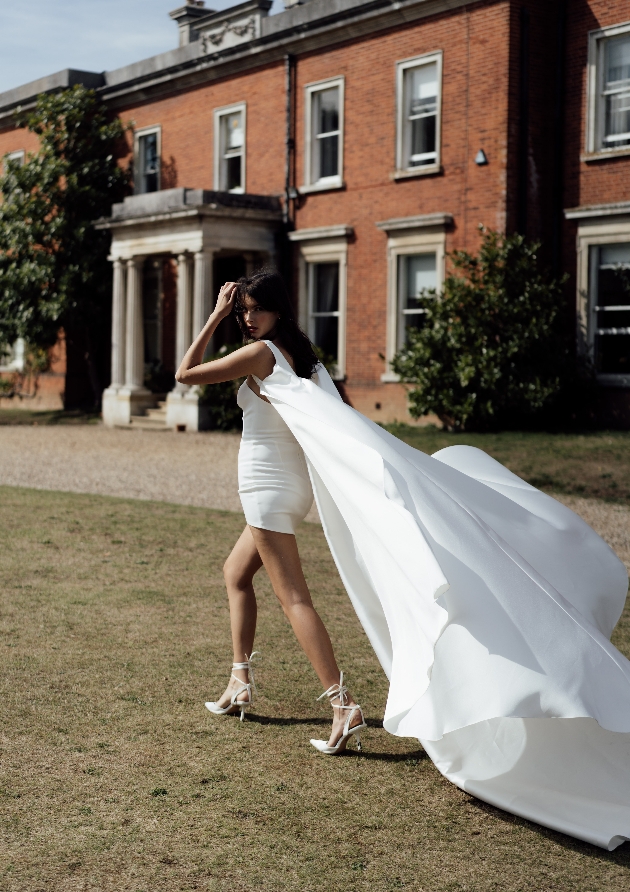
(339, 691)
(236, 705)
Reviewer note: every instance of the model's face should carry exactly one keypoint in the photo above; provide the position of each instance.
(259, 322)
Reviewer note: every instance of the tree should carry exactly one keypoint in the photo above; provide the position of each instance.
(494, 349)
(54, 271)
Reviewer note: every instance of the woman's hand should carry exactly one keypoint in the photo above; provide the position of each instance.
(225, 300)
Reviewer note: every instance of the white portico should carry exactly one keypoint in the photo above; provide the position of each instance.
(197, 229)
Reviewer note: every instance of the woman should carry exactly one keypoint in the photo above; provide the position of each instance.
(489, 604)
(275, 491)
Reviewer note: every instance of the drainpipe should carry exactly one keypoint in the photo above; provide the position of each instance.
(288, 142)
(523, 114)
(558, 174)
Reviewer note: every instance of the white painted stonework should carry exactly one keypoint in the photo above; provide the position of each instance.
(193, 226)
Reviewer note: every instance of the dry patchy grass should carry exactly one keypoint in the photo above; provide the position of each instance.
(113, 632)
(595, 465)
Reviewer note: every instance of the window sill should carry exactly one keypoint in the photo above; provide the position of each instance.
(614, 380)
(390, 378)
(427, 170)
(604, 155)
(321, 187)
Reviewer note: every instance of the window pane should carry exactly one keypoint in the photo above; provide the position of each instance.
(324, 307)
(233, 172)
(234, 126)
(149, 163)
(328, 156)
(326, 111)
(422, 95)
(421, 274)
(614, 254)
(327, 335)
(617, 90)
(326, 296)
(618, 60)
(422, 141)
(612, 334)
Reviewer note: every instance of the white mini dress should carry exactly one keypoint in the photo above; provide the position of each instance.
(273, 480)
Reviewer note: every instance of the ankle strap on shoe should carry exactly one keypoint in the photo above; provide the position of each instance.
(337, 690)
(251, 683)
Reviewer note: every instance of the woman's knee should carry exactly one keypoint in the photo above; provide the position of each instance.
(292, 602)
(235, 575)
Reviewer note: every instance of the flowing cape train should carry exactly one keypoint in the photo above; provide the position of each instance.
(490, 607)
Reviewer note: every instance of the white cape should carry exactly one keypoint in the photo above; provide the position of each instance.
(490, 607)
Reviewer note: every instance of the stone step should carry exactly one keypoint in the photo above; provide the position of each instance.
(157, 414)
(142, 422)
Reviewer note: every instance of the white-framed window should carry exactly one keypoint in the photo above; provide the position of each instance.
(418, 107)
(603, 290)
(323, 163)
(229, 148)
(323, 261)
(147, 154)
(609, 304)
(18, 157)
(417, 274)
(415, 264)
(608, 98)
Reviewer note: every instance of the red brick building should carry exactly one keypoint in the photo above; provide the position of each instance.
(354, 144)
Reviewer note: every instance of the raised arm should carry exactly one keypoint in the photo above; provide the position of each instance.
(253, 359)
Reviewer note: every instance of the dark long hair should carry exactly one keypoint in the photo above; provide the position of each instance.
(266, 287)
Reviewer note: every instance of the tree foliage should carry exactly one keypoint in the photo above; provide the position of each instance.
(494, 348)
(220, 399)
(53, 263)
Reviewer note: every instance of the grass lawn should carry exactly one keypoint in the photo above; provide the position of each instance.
(113, 776)
(594, 465)
(47, 417)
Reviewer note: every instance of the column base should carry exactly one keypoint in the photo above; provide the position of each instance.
(183, 411)
(120, 403)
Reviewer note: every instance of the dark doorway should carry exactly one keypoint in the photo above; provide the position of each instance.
(227, 269)
(158, 365)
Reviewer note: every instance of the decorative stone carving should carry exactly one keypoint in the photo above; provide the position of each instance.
(231, 33)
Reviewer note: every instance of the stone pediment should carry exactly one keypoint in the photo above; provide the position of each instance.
(233, 26)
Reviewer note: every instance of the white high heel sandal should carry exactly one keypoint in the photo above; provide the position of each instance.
(339, 691)
(250, 686)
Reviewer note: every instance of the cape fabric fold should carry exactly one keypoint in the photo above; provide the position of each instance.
(490, 607)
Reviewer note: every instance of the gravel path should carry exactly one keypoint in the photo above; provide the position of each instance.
(189, 469)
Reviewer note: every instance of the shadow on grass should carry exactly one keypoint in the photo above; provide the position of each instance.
(278, 720)
(47, 418)
(620, 855)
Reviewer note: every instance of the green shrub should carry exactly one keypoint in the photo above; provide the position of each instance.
(494, 350)
(220, 399)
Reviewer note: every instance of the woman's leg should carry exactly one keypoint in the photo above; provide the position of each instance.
(238, 571)
(280, 556)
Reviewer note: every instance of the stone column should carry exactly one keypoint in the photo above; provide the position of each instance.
(183, 330)
(203, 290)
(183, 411)
(118, 325)
(134, 354)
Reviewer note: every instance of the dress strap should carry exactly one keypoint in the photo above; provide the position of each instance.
(281, 361)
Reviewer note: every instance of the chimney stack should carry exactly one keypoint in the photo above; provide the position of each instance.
(185, 16)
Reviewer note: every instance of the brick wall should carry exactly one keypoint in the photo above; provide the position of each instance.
(482, 107)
